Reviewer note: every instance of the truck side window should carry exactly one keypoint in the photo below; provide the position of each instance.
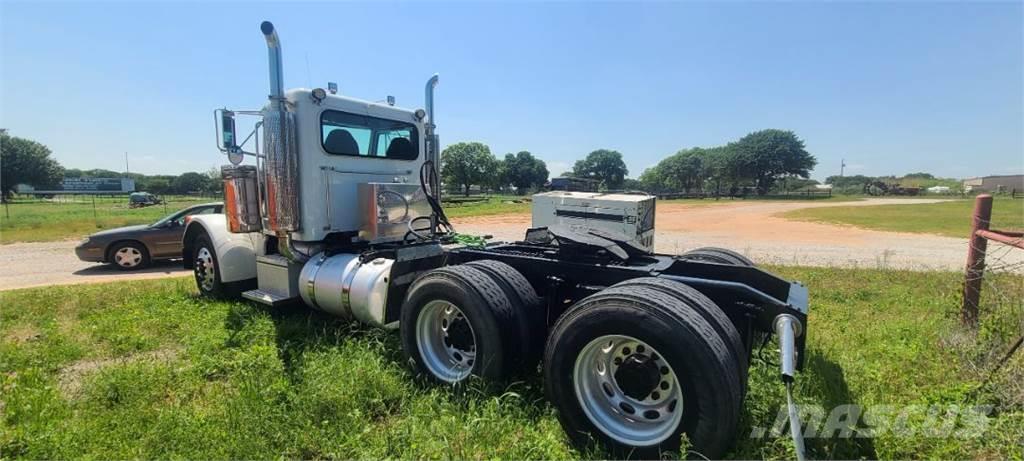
(364, 136)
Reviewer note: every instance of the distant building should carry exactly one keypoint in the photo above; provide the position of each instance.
(999, 183)
(938, 190)
(88, 186)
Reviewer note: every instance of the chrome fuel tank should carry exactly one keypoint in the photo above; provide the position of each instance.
(343, 286)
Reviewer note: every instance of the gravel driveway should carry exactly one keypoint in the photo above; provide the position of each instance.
(745, 226)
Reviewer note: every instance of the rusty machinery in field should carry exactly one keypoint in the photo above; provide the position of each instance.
(880, 188)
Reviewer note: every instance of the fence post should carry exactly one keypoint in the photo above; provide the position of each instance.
(975, 270)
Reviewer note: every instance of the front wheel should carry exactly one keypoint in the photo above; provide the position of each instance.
(635, 368)
(206, 270)
(129, 256)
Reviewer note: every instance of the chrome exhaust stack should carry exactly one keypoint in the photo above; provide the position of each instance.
(281, 167)
(433, 144)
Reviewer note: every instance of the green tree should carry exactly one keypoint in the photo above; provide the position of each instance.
(467, 163)
(603, 165)
(23, 161)
(524, 171)
(156, 185)
(189, 182)
(767, 155)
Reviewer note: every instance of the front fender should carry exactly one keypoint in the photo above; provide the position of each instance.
(236, 253)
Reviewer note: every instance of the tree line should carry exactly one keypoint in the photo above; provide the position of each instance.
(467, 164)
(758, 160)
(24, 161)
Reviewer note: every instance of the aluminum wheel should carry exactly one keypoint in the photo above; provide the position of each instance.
(628, 390)
(205, 269)
(128, 257)
(446, 341)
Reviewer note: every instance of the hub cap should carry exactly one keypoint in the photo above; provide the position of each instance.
(205, 274)
(128, 257)
(446, 341)
(628, 390)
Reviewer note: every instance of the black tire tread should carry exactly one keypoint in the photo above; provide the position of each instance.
(719, 369)
(709, 310)
(527, 308)
(718, 255)
(494, 303)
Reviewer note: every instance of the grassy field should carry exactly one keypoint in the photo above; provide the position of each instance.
(147, 369)
(952, 219)
(494, 205)
(44, 221)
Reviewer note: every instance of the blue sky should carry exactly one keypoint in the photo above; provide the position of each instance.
(890, 87)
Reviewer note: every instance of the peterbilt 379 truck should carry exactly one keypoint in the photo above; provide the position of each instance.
(340, 210)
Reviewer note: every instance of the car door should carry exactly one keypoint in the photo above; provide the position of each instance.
(165, 241)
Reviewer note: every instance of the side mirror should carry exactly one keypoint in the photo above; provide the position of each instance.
(226, 129)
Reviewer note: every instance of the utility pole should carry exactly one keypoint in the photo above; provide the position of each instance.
(842, 167)
(126, 164)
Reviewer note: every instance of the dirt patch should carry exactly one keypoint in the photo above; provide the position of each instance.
(22, 334)
(71, 376)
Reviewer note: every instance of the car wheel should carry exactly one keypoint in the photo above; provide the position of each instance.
(129, 256)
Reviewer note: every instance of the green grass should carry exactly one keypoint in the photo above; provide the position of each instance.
(494, 205)
(44, 221)
(952, 219)
(146, 369)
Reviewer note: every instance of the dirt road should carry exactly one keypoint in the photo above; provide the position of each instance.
(54, 263)
(748, 227)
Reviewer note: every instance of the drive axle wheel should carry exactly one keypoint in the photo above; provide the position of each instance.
(446, 341)
(456, 322)
(634, 368)
(628, 390)
(717, 255)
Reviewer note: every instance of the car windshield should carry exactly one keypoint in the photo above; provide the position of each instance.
(178, 215)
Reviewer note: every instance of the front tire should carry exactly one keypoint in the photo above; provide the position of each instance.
(635, 368)
(206, 269)
(129, 256)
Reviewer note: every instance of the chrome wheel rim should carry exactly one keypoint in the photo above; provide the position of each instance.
(628, 390)
(128, 257)
(446, 341)
(205, 269)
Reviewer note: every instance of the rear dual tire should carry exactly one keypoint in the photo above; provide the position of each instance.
(718, 256)
(634, 367)
(465, 320)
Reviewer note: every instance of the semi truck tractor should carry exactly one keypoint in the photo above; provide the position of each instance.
(333, 203)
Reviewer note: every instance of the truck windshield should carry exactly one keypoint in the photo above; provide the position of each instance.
(360, 135)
